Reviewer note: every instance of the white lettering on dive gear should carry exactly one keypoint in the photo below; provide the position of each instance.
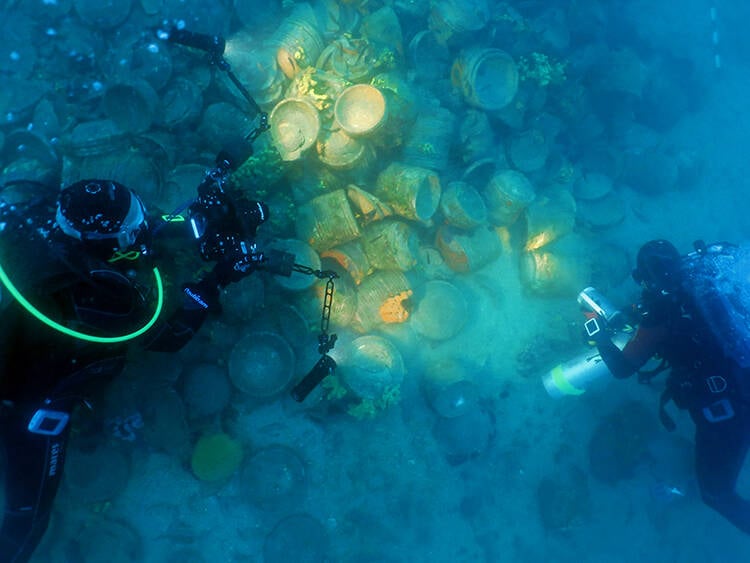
(55, 452)
(716, 384)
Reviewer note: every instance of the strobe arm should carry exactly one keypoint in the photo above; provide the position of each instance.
(215, 45)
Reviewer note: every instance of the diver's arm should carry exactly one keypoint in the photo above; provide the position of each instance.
(645, 343)
(617, 362)
(198, 301)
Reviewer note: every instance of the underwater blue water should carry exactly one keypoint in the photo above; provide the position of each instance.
(435, 441)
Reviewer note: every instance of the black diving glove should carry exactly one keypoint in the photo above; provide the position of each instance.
(202, 295)
(278, 262)
(237, 265)
(231, 268)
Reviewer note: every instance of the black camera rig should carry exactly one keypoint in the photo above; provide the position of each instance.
(225, 227)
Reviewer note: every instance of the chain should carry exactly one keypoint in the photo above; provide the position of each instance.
(326, 365)
(320, 274)
(262, 127)
(327, 302)
(325, 341)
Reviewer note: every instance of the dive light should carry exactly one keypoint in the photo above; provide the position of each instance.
(592, 300)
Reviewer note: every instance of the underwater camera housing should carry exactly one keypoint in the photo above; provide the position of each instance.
(221, 225)
(217, 224)
(225, 228)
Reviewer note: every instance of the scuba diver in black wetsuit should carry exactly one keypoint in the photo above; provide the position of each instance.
(704, 378)
(89, 291)
(88, 298)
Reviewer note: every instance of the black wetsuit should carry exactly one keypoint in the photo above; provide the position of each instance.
(41, 368)
(704, 381)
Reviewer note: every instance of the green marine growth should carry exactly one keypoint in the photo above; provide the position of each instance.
(542, 69)
(385, 61)
(385, 81)
(334, 389)
(264, 168)
(369, 408)
(258, 178)
(365, 408)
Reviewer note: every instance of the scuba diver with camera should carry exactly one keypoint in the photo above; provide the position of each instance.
(68, 333)
(692, 313)
(85, 258)
(87, 298)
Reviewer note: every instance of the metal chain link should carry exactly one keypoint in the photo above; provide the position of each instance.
(263, 126)
(325, 341)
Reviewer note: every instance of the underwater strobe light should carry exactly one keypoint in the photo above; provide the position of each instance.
(214, 45)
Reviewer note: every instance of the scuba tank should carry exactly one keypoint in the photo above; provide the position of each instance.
(717, 282)
(579, 373)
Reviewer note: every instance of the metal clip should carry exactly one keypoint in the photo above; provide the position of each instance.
(592, 327)
(48, 422)
(718, 411)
